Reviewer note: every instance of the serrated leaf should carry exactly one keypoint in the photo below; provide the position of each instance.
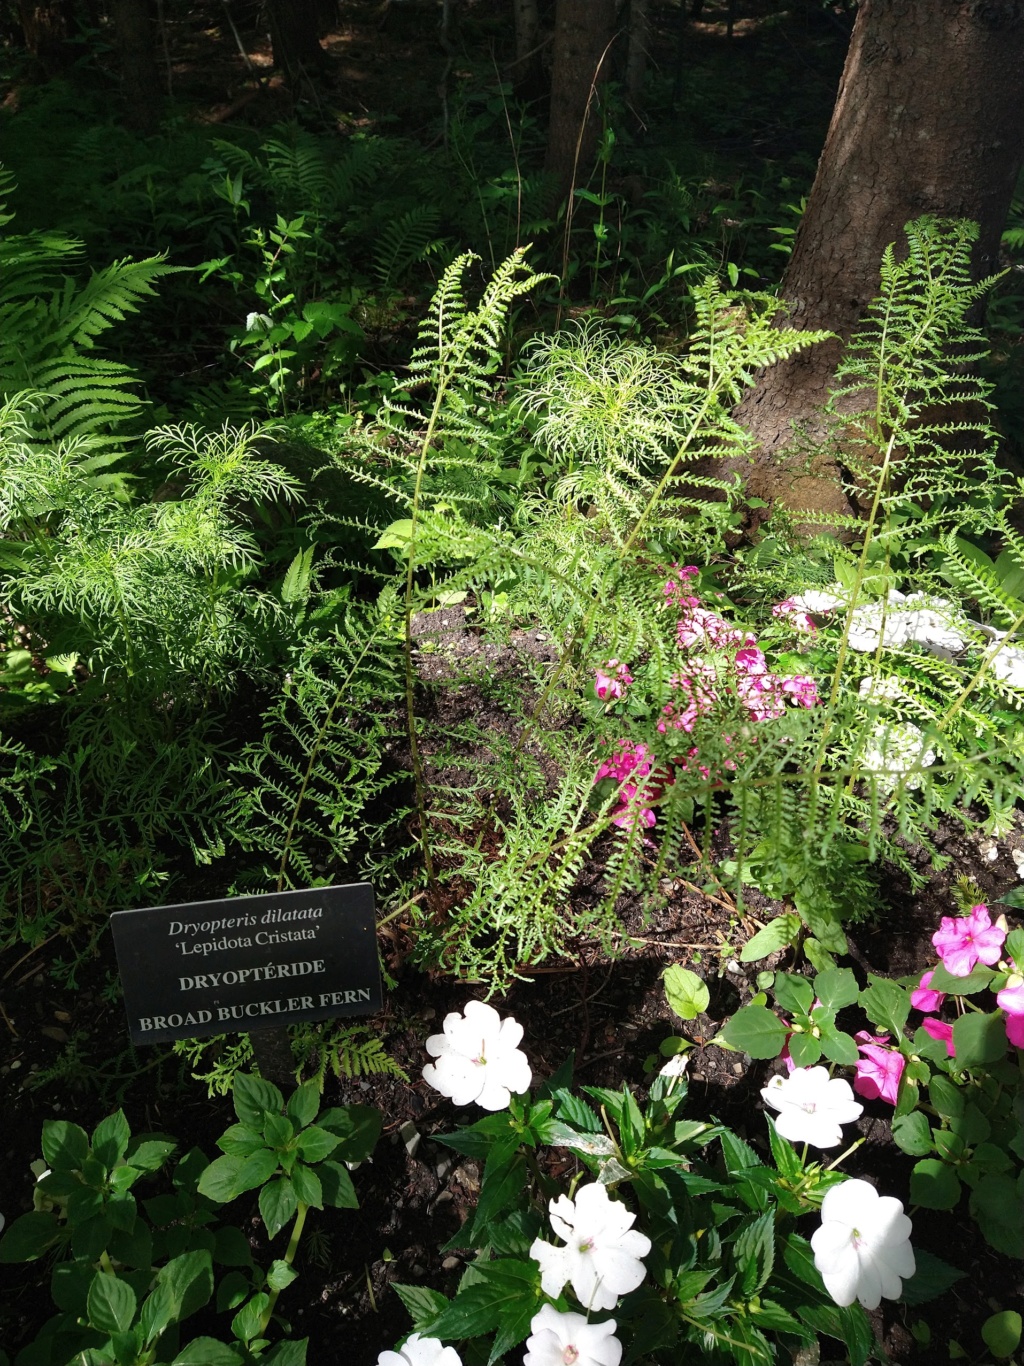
(111, 1303)
(110, 1139)
(208, 1352)
(254, 1100)
(303, 1104)
(422, 1304)
(754, 1029)
(278, 1203)
(65, 1145)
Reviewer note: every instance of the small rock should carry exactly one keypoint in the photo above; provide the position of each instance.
(443, 1167)
(418, 1270)
(55, 1032)
(443, 1198)
(733, 965)
(410, 1136)
(62, 1016)
(737, 1067)
(15, 1064)
(450, 1264)
(428, 1014)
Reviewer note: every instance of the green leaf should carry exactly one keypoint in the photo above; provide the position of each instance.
(29, 1237)
(111, 1304)
(110, 1139)
(817, 955)
(754, 1253)
(278, 1131)
(979, 1039)
(755, 1030)
(1014, 947)
(932, 1278)
(395, 537)
(804, 1049)
(306, 1185)
(575, 1111)
(997, 1208)
(65, 1145)
(304, 1103)
(1002, 1332)
(946, 1096)
(887, 1004)
(824, 926)
(1014, 898)
(208, 1352)
(189, 1277)
(281, 1275)
(503, 1299)
(337, 1186)
(278, 1203)
(254, 1099)
(777, 934)
(246, 1323)
(793, 993)
(934, 1185)
(291, 1352)
(913, 1134)
(836, 988)
(240, 1141)
(219, 1180)
(686, 993)
(231, 1247)
(150, 1154)
(838, 1046)
(158, 1310)
(357, 1126)
(315, 1143)
(976, 980)
(422, 1305)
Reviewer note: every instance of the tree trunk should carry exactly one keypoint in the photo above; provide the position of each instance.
(527, 70)
(639, 39)
(47, 28)
(582, 60)
(294, 37)
(929, 119)
(140, 76)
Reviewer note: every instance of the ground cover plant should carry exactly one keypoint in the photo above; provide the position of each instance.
(370, 511)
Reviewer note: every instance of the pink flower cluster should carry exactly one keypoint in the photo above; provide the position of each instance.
(611, 680)
(628, 764)
(962, 942)
(791, 612)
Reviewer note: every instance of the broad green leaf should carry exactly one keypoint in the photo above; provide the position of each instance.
(804, 1049)
(254, 1099)
(239, 1141)
(932, 1278)
(887, 1004)
(278, 1203)
(836, 988)
(755, 1030)
(208, 1352)
(976, 980)
(111, 1304)
(231, 1247)
(913, 1134)
(422, 1305)
(997, 1208)
(754, 1253)
(315, 1143)
(278, 1131)
(946, 1096)
(793, 993)
(686, 993)
(838, 1046)
(357, 1126)
(1014, 947)
(189, 1277)
(337, 1186)
(110, 1139)
(246, 1323)
(934, 1185)
(306, 1185)
(979, 1039)
(65, 1145)
(281, 1275)
(150, 1154)
(288, 1352)
(219, 1180)
(158, 1310)
(29, 1237)
(823, 925)
(1002, 1332)
(304, 1102)
(777, 934)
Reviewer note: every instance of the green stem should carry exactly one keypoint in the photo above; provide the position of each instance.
(289, 1257)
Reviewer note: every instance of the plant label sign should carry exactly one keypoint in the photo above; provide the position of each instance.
(248, 963)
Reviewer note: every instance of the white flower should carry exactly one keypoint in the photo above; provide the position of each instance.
(876, 620)
(558, 1339)
(863, 1246)
(477, 1058)
(812, 1106)
(602, 1254)
(1018, 861)
(819, 599)
(419, 1351)
(676, 1065)
(895, 749)
(1008, 665)
(876, 689)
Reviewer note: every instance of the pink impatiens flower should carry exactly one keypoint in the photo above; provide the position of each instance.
(963, 941)
(1015, 1030)
(923, 998)
(880, 1068)
(938, 1029)
(611, 680)
(1011, 999)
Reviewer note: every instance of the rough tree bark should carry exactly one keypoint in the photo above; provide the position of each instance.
(47, 28)
(134, 34)
(636, 55)
(929, 119)
(295, 37)
(582, 60)
(526, 69)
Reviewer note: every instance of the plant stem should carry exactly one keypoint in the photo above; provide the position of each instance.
(289, 1257)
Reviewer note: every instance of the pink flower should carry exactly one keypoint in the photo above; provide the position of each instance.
(965, 940)
(1015, 1030)
(923, 998)
(791, 612)
(630, 760)
(879, 1070)
(751, 660)
(611, 680)
(1011, 998)
(801, 689)
(938, 1029)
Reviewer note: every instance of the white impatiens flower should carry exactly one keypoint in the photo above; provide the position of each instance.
(895, 749)
(862, 1249)
(419, 1351)
(812, 1106)
(676, 1065)
(601, 1257)
(477, 1058)
(558, 1339)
